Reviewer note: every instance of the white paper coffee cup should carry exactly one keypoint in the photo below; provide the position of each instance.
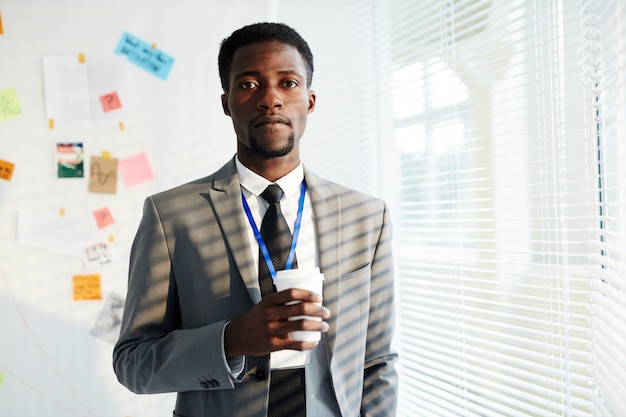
(307, 279)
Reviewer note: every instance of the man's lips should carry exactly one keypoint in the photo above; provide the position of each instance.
(269, 120)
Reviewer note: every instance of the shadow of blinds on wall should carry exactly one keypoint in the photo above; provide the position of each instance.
(510, 228)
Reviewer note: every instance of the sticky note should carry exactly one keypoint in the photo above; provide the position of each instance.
(110, 102)
(6, 170)
(103, 217)
(9, 104)
(1, 378)
(1, 31)
(87, 287)
(136, 169)
(145, 56)
(103, 175)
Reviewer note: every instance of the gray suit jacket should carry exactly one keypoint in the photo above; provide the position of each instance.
(191, 271)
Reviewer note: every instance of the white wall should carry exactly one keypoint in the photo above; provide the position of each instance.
(51, 365)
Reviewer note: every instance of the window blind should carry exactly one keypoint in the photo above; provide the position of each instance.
(510, 244)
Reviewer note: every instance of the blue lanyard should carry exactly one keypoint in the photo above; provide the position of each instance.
(259, 238)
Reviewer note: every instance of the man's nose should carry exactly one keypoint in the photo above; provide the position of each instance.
(269, 98)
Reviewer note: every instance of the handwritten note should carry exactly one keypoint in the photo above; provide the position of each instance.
(110, 102)
(9, 104)
(103, 175)
(145, 56)
(136, 169)
(87, 287)
(103, 217)
(98, 254)
(6, 170)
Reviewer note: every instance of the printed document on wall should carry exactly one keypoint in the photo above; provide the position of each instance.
(88, 90)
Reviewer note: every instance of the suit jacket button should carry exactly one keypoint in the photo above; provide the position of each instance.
(261, 375)
(204, 384)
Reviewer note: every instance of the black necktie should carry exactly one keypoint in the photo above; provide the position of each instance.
(287, 391)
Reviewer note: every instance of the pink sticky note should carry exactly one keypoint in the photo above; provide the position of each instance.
(135, 169)
(110, 102)
(103, 217)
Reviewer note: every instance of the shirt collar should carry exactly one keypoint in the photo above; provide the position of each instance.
(256, 184)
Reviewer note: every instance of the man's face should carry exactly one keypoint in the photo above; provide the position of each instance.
(268, 100)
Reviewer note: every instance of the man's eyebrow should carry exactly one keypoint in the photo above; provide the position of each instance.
(253, 73)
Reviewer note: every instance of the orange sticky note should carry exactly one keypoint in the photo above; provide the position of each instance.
(1, 30)
(87, 287)
(110, 102)
(103, 217)
(6, 170)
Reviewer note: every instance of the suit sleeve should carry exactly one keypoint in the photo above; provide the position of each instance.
(380, 380)
(154, 354)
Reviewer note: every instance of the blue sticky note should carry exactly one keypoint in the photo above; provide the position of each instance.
(144, 56)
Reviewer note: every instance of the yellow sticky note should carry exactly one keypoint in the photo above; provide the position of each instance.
(9, 104)
(87, 287)
(6, 170)
(81, 58)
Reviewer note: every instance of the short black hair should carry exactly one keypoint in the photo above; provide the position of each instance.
(262, 32)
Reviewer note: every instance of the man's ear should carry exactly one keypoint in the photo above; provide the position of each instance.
(312, 98)
(225, 104)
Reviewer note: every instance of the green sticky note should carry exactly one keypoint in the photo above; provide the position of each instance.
(1, 378)
(9, 104)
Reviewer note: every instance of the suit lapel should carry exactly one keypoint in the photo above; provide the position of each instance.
(225, 198)
(326, 208)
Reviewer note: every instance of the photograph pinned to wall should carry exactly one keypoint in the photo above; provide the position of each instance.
(6, 170)
(108, 322)
(103, 175)
(70, 160)
(9, 104)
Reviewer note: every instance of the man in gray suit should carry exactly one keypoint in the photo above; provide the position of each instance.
(196, 321)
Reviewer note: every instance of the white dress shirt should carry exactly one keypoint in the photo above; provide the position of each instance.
(320, 396)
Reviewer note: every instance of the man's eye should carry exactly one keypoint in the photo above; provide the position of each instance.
(290, 84)
(246, 85)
